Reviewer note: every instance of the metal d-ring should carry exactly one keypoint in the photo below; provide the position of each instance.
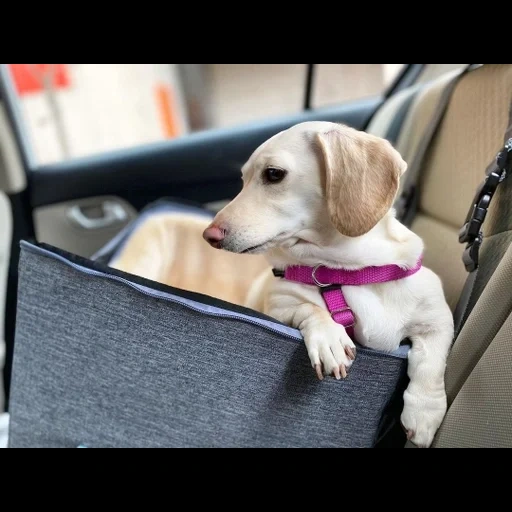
(315, 280)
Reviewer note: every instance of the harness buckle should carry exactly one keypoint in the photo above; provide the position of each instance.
(342, 310)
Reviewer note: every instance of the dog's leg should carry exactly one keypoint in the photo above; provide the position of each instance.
(425, 397)
(329, 347)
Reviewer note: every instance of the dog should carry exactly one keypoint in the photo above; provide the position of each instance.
(320, 196)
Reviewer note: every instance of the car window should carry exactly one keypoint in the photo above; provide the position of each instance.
(76, 110)
(336, 83)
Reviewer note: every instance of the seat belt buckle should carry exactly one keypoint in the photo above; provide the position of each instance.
(472, 254)
(463, 233)
(471, 231)
(476, 218)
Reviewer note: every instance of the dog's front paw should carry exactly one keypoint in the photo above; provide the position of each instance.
(330, 350)
(422, 416)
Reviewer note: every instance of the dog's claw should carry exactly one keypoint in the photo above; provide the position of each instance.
(337, 374)
(343, 371)
(408, 433)
(350, 353)
(319, 373)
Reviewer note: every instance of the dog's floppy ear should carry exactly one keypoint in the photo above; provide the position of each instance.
(362, 175)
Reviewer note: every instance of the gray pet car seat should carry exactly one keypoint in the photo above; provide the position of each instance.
(107, 359)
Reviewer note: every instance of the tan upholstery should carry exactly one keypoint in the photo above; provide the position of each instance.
(419, 116)
(384, 117)
(433, 71)
(443, 254)
(481, 415)
(478, 376)
(481, 327)
(468, 139)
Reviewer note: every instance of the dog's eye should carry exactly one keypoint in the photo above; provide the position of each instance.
(273, 175)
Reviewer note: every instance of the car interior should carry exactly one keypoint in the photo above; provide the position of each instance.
(448, 121)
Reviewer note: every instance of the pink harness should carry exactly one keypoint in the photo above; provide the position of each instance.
(330, 282)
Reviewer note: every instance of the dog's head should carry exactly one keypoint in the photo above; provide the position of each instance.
(313, 177)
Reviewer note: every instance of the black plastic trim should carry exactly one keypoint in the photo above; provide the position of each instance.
(22, 228)
(310, 83)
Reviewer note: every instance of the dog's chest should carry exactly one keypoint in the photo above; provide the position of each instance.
(381, 314)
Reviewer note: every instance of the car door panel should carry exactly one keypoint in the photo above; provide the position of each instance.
(202, 167)
(82, 226)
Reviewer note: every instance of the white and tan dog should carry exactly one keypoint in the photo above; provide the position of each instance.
(322, 193)
(318, 193)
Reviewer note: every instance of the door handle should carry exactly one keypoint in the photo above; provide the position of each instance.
(112, 214)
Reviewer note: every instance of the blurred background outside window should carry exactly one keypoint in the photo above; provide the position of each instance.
(76, 110)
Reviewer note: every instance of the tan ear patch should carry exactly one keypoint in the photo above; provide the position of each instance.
(362, 177)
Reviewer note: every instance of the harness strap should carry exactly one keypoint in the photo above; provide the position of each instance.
(338, 307)
(331, 280)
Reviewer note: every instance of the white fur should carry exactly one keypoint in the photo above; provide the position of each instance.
(291, 221)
